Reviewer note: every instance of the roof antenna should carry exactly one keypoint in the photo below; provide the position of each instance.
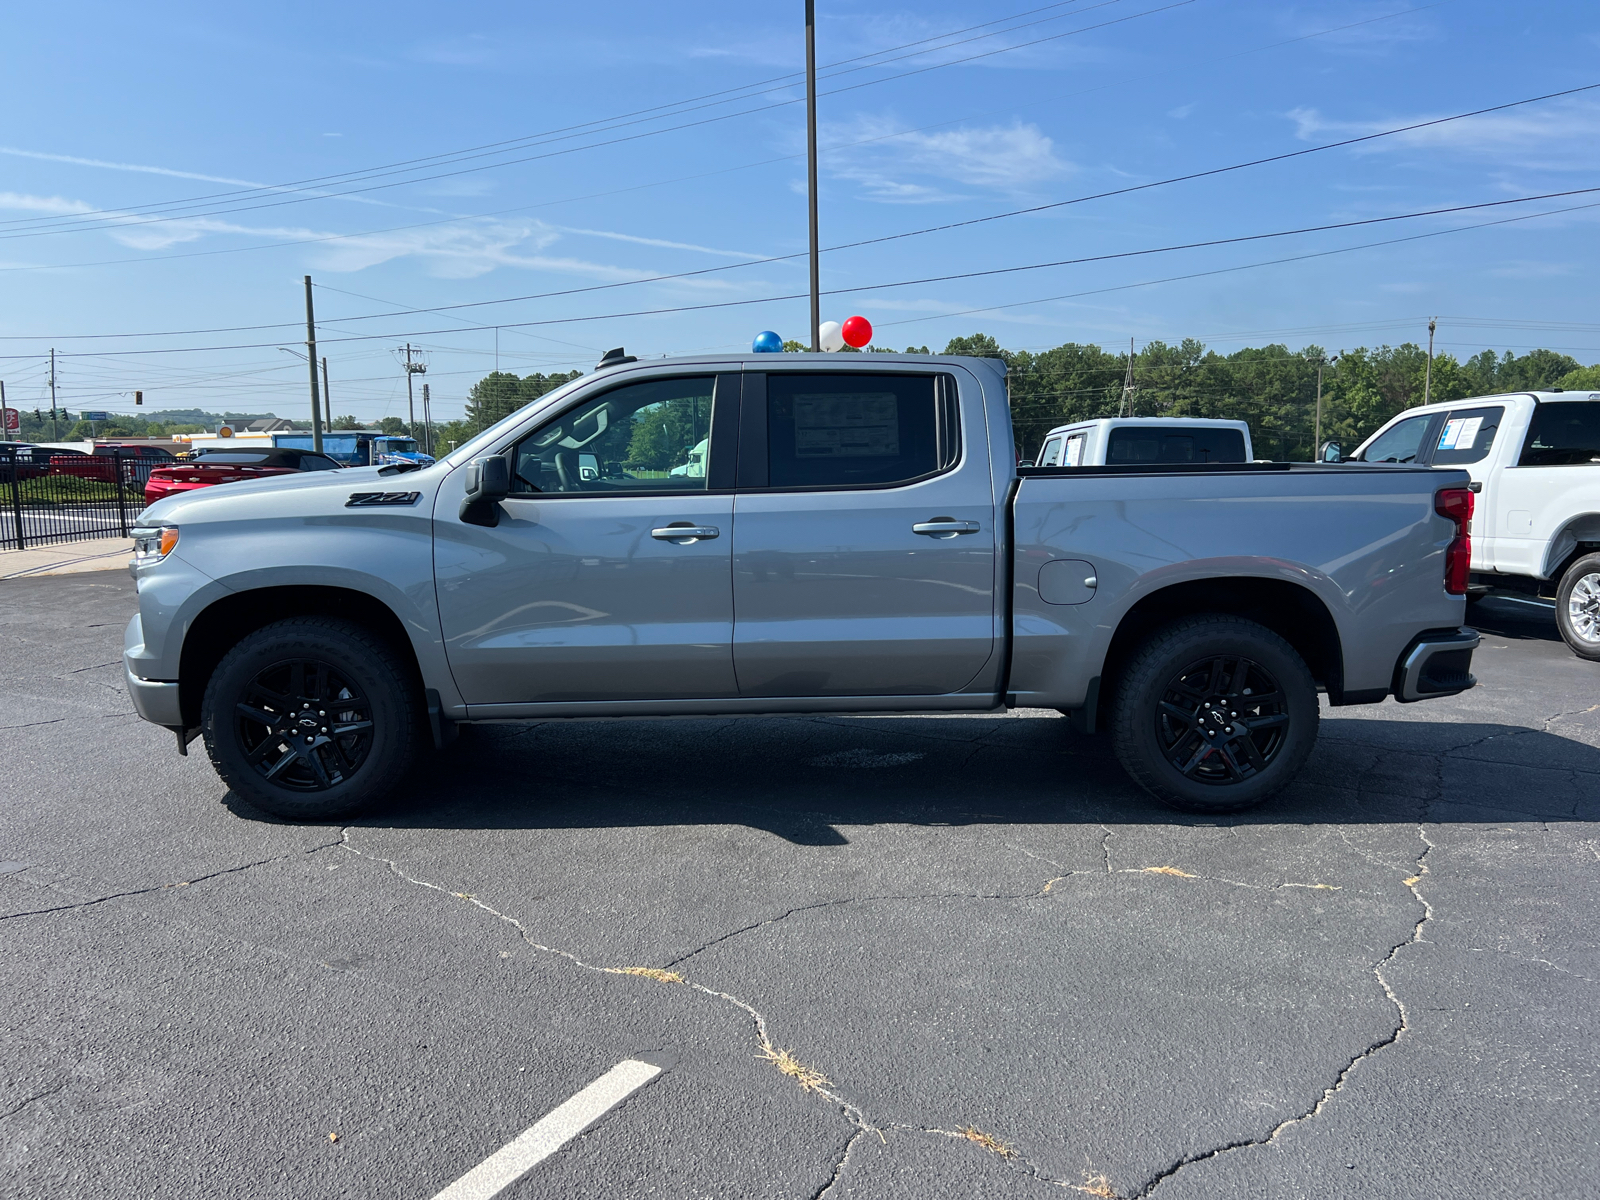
(615, 358)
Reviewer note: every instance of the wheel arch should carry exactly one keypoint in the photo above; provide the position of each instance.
(1295, 613)
(222, 624)
(1578, 536)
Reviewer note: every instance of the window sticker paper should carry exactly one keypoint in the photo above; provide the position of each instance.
(847, 425)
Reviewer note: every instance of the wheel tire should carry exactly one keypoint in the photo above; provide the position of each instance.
(1578, 607)
(1160, 713)
(281, 750)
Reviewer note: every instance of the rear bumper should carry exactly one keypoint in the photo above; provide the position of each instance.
(1437, 663)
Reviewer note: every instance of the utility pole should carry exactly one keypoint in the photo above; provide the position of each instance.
(1322, 360)
(327, 397)
(311, 362)
(55, 433)
(413, 368)
(1427, 383)
(811, 170)
(428, 423)
(1128, 387)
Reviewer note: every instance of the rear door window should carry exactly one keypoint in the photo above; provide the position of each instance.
(1400, 443)
(1563, 434)
(1074, 453)
(1130, 445)
(873, 429)
(1467, 435)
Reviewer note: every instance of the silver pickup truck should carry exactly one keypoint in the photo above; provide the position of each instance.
(783, 534)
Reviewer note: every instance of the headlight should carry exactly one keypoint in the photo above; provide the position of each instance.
(151, 545)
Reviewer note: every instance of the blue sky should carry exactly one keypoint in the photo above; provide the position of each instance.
(169, 168)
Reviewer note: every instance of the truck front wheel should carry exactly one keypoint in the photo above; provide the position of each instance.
(1578, 607)
(1214, 714)
(311, 718)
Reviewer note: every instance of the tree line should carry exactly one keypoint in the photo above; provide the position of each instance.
(1272, 387)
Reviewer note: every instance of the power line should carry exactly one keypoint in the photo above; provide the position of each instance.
(76, 222)
(1208, 173)
(1126, 254)
(786, 79)
(658, 183)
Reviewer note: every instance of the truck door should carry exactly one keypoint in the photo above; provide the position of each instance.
(1555, 477)
(864, 536)
(609, 575)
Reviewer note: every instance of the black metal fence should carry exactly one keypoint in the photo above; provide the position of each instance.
(50, 497)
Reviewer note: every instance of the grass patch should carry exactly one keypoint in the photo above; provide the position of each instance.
(809, 1078)
(988, 1141)
(1094, 1185)
(71, 489)
(655, 973)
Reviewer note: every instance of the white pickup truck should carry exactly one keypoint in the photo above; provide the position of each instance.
(1140, 441)
(843, 537)
(1534, 459)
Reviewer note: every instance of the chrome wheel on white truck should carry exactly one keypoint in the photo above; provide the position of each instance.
(1578, 607)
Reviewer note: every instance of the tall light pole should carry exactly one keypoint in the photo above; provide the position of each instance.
(311, 362)
(811, 170)
(55, 433)
(1322, 360)
(1427, 382)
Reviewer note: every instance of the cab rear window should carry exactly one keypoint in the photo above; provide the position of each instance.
(1169, 444)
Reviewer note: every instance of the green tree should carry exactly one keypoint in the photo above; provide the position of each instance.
(1584, 379)
(499, 394)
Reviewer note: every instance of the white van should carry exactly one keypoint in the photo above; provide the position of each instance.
(1141, 441)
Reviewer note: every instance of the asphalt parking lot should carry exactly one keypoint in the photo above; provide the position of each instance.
(915, 957)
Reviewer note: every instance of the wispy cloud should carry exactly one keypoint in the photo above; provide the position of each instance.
(916, 168)
(457, 249)
(1564, 135)
(198, 176)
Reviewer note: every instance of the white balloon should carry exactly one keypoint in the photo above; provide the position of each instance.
(831, 336)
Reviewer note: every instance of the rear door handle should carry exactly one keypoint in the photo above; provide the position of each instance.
(944, 527)
(684, 534)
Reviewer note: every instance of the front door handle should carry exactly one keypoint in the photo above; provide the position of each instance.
(944, 527)
(681, 533)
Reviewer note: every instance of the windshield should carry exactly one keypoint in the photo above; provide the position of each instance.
(397, 445)
(465, 452)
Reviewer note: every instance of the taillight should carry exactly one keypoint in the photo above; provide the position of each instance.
(1456, 503)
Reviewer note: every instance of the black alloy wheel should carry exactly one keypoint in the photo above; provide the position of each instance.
(1222, 720)
(304, 725)
(1213, 713)
(313, 718)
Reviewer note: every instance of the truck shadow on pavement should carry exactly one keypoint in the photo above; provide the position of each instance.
(806, 779)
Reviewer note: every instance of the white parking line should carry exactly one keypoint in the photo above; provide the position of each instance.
(1520, 600)
(510, 1163)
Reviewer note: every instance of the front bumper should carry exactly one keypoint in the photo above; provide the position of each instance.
(1437, 663)
(156, 700)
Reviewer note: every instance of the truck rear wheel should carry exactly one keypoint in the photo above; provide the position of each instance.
(311, 719)
(1578, 607)
(1214, 714)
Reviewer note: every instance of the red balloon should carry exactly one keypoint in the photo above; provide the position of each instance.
(857, 332)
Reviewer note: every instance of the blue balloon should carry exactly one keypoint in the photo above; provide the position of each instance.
(767, 342)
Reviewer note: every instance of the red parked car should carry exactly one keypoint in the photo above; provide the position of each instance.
(210, 467)
(101, 465)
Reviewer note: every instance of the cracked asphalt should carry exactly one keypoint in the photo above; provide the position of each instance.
(917, 957)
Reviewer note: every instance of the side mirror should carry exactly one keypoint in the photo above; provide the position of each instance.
(488, 483)
(1331, 452)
